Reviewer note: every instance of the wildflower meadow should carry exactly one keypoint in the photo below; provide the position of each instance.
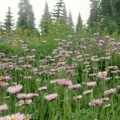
(72, 79)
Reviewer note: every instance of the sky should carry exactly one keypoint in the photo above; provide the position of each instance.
(75, 6)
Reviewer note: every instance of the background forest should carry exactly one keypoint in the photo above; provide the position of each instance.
(104, 18)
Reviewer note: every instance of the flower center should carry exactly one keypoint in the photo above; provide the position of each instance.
(26, 118)
(1, 82)
(13, 118)
(1, 77)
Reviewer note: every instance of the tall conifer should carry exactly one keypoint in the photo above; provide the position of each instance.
(58, 10)
(70, 23)
(79, 24)
(46, 20)
(8, 24)
(26, 15)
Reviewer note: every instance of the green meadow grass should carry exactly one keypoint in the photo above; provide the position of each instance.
(77, 66)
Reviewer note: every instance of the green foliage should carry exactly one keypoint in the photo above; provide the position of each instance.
(56, 27)
(109, 23)
(94, 13)
(23, 23)
(45, 26)
(107, 8)
(106, 13)
(7, 48)
(59, 29)
(116, 10)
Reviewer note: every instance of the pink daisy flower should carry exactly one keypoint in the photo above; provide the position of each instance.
(105, 99)
(24, 96)
(77, 97)
(51, 97)
(64, 82)
(3, 107)
(24, 102)
(110, 91)
(96, 102)
(3, 84)
(17, 116)
(91, 84)
(14, 89)
(87, 92)
(74, 86)
(102, 74)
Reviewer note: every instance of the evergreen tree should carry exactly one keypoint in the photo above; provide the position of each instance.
(110, 13)
(46, 14)
(1, 29)
(108, 16)
(116, 10)
(65, 14)
(106, 8)
(26, 16)
(79, 24)
(70, 23)
(0, 26)
(8, 24)
(45, 22)
(105, 14)
(58, 11)
(59, 20)
(94, 18)
(31, 19)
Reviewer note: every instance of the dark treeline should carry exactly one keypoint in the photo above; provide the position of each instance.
(105, 15)
(104, 18)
